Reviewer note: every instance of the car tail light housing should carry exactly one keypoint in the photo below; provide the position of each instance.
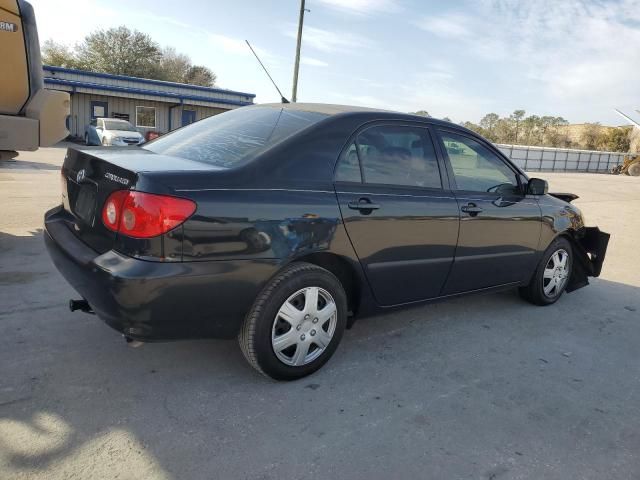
(144, 215)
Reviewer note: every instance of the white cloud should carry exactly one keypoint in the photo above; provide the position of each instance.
(313, 62)
(68, 21)
(236, 46)
(451, 25)
(363, 7)
(229, 44)
(329, 41)
(576, 57)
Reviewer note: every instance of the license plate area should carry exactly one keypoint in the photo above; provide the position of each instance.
(85, 206)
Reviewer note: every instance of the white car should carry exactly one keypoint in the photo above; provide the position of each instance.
(112, 132)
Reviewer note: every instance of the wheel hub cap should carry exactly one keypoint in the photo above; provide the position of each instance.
(304, 326)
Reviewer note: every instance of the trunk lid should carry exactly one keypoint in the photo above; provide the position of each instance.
(90, 175)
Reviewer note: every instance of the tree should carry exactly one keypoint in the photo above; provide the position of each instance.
(422, 113)
(200, 75)
(618, 139)
(530, 127)
(489, 121)
(545, 123)
(172, 66)
(446, 119)
(516, 117)
(58, 54)
(474, 127)
(504, 131)
(122, 51)
(592, 136)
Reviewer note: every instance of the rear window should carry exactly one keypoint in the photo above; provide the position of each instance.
(233, 138)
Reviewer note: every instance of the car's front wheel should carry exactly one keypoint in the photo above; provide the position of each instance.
(552, 274)
(296, 323)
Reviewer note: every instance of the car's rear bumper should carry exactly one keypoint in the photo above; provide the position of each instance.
(157, 300)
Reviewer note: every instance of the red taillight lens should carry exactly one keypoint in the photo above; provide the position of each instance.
(144, 215)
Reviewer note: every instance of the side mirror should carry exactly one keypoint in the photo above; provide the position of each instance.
(537, 186)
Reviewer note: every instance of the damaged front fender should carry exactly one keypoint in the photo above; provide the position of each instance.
(590, 248)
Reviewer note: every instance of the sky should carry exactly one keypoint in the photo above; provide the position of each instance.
(578, 59)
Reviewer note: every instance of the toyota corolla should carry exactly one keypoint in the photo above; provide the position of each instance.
(279, 225)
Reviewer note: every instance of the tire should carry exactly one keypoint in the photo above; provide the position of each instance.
(265, 324)
(634, 170)
(551, 268)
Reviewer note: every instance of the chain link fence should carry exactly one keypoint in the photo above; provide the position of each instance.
(548, 159)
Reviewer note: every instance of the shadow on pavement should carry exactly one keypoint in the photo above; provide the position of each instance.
(18, 164)
(477, 386)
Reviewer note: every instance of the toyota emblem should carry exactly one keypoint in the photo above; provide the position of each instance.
(81, 176)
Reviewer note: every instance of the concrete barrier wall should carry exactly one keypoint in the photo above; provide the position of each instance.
(547, 159)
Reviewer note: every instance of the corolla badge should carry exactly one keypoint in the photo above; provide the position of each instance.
(82, 174)
(115, 178)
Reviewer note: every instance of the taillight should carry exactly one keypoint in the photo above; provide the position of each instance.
(144, 215)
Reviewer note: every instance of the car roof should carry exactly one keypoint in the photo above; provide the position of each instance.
(336, 109)
(325, 108)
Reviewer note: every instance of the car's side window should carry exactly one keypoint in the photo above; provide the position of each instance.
(476, 168)
(398, 155)
(348, 169)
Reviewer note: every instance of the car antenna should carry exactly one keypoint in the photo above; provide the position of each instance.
(282, 99)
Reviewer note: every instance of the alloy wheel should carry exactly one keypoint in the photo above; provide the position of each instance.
(556, 273)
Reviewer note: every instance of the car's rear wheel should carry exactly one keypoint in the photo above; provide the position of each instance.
(552, 274)
(296, 323)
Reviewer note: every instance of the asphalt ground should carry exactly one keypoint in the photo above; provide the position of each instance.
(483, 387)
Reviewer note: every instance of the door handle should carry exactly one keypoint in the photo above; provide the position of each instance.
(472, 209)
(363, 204)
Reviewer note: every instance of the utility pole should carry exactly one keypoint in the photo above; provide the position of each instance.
(294, 94)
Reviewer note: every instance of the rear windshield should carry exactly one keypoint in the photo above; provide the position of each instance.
(118, 125)
(233, 138)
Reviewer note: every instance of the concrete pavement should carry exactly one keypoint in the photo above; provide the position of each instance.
(479, 387)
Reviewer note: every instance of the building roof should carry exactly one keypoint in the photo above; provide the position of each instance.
(120, 85)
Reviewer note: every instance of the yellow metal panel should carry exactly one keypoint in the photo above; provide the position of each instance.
(10, 6)
(14, 81)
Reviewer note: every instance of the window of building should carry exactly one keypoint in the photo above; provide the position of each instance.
(146, 117)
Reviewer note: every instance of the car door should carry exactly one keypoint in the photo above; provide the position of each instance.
(398, 213)
(500, 225)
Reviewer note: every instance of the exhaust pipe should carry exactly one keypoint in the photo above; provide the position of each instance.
(81, 305)
(132, 342)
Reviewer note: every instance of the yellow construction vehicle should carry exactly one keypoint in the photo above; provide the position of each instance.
(630, 166)
(30, 115)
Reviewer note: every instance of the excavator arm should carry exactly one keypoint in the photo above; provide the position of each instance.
(30, 115)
